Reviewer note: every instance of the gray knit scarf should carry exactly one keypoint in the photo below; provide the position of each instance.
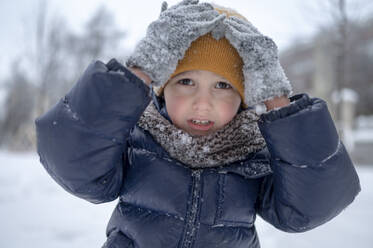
(233, 142)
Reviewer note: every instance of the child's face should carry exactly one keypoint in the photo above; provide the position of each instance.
(200, 102)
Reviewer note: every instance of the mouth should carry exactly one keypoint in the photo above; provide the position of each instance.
(201, 125)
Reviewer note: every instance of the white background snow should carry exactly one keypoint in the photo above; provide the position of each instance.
(36, 212)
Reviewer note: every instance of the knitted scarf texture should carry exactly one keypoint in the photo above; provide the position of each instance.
(234, 142)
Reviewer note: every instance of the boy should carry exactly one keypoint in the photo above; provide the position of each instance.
(190, 160)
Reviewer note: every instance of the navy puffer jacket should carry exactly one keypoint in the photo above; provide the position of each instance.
(90, 144)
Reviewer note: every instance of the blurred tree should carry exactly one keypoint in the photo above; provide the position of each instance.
(99, 40)
(335, 48)
(345, 33)
(14, 129)
(48, 59)
(342, 25)
(359, 73)
(48, 68)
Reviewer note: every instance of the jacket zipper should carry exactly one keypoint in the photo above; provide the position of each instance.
(192, 227)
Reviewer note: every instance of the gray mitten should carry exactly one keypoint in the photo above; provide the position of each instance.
(264, 76)
(169, 37)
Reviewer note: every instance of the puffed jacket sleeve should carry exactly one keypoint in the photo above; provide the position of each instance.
(313, 177)
(82, 140)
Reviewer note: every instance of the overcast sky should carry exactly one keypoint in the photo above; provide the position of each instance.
(283, 20)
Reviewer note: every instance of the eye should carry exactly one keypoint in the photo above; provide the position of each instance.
(185, 81)
(223, 85)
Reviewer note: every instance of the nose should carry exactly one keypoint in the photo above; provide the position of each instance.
(202, 101)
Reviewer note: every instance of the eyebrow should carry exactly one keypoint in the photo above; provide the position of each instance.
(185, 72)
(182, 73)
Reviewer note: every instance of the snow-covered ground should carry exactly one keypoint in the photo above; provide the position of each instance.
(36, 212)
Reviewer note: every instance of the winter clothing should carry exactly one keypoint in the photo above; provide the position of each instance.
(169, 37)
(231, 143)
(218, 56)
(91, 144)
(227, 11)
(264, 76)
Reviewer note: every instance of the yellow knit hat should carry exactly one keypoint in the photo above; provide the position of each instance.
(218, 56)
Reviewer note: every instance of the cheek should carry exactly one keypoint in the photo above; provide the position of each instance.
(228, 109)
(226, 113)
(175, 105)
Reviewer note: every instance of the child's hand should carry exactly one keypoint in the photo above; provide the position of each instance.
(168, 38)
(264, 76)
(277, 102)
(140, 74)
